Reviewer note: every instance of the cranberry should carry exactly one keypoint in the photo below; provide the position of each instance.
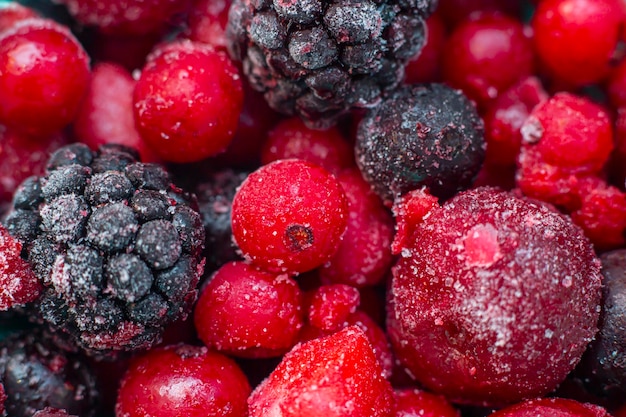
(207, 22)
(336, 375)
(454, 12)
(182, 380)
(552, 407)
(249, 313)
(330, 306)
(11, 13)
(44, 71)
(187, 101)
(23, 156)
(18, 283)
(468, 311)
(106, 115)
(426, 66)
(485, 55)
(291, 138)
(289, 216)
(130, 17)
(417, 402)
(576, 39)
(504, 118)
(364, 254)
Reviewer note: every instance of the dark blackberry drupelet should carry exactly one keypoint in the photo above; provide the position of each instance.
(36, 375)
(103, 232)
(215, 199)
(426, 135)
(318, 59)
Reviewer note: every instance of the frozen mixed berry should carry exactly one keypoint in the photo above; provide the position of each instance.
(215, 195)
(417, 402)
(318, 59)
(36, 374)
(12, 12)
(494, 298)
(552, 407)
(182, 380)
(576, 40)
(106, 114)
(425, 66)
(129, 17)
(44, 71)
(22, 156)
(291, 138)
(422, 135)
(116, 245)
(329, 306)
(18, 283)
(485, 55)
(603, 364)
(336, 375)
(187, 101)
(289, 216)
(454, 12)
(207, 22)
(364, 254)
(504, 118)
(246, 312)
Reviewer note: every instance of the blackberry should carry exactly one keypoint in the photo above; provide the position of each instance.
(318, 59)
(36, 375)
(101, 230)
(215, 198)
(421, 136)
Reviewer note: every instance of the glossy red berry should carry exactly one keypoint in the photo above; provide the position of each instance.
(182, 380)
(18, 283)
(552, 407)
(130, 17)
(364, 254)
(106, 115)
(330, 306)
(417, 402)
(454, 12)
(487, 54)
(291, 138)
(187, 101)
(289, 216)
(426, 66)
(576, 39)
(467, 304)
(249, 313)
(336, 375)
(44, 74)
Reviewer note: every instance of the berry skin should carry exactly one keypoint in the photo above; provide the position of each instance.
(182, 380)
(249, 313)
(416, 402)
(117, 247)
(603, 366)
(364, 254)
(552, 407)
(576, 39)
(106, 115)
(485, 55)
(207, 22)
(289, 216)
(18, 283)
(497, 260)
(290, 138)
(44, 71)
(331, 305)
(318, 59)
(336, 375)
(187, 101)
(127, 17)
(423, 135)
(36, 374)
(11, 13)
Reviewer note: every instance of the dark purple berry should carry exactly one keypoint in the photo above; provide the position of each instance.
(421, 136)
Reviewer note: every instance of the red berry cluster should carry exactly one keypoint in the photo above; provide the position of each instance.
(324, 296)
